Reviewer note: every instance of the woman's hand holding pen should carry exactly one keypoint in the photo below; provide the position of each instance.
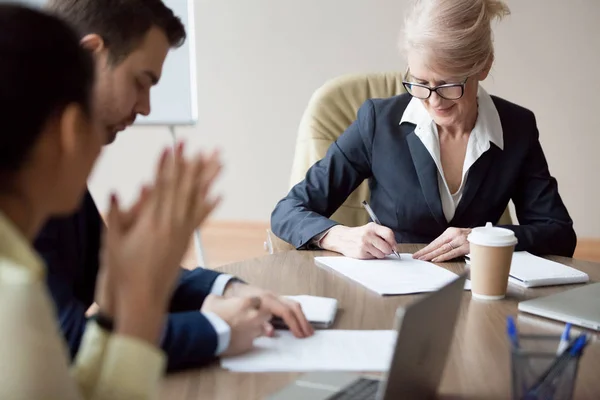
(363, 242)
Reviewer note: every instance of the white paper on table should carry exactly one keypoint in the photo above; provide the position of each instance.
(331, 350)
(391, 275)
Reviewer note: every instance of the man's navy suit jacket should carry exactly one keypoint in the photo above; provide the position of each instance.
(70, 247)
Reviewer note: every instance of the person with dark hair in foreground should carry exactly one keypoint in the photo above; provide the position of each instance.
(49, 142)
(129, 40)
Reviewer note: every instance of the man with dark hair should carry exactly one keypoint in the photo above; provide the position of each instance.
(130, 40)
(122, 24)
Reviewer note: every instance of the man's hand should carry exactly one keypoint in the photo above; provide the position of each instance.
(245, 317)
(288, 310)
(451, 244)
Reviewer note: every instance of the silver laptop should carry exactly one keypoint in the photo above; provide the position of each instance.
(580, 306)
(425, 331)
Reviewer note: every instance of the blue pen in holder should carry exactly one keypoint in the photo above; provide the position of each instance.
(538, 372)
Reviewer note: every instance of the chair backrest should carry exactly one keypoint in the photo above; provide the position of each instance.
(330, 111)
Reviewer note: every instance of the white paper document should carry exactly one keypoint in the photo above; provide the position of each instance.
(391, 275)
(318, 310)
(332, 350)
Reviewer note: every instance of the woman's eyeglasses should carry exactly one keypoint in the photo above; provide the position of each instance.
(448, 91)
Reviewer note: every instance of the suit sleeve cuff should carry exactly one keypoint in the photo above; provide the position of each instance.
(316, 241)
(306, 236)
(222, 329)
(218, 287)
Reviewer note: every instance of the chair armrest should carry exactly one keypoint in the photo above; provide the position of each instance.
(274, 245)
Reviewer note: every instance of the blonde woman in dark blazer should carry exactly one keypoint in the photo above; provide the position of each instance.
(442, 159)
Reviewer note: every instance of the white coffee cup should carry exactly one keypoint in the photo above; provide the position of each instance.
(491, 251)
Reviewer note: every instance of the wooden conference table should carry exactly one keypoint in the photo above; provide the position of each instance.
(479, 361)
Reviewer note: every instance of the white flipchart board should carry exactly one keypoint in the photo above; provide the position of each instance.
(174, 100)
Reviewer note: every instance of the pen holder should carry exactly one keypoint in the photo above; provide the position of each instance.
(529, 363)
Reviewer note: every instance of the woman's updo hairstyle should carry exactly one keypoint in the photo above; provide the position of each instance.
(454, 37)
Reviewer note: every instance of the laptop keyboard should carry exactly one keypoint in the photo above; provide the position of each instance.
(361, 389)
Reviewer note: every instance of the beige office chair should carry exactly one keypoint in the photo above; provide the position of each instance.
(332, 108)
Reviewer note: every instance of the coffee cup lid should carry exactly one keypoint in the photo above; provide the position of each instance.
(489, 235)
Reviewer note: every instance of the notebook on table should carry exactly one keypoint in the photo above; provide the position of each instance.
(319, 311)
(529, 271)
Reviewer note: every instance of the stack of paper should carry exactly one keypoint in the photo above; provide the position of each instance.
(527, 270)
(530, 271)
(391, 275)
(333, 350)
(319, 311)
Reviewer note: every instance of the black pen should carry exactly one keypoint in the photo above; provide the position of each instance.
(376, 220)
(556, 368)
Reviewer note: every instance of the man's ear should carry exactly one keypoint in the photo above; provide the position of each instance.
(93, 43)
(70, 130)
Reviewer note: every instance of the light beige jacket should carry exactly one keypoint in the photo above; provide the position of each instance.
(34, 362)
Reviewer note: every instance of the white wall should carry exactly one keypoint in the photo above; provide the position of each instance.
(259, 61)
